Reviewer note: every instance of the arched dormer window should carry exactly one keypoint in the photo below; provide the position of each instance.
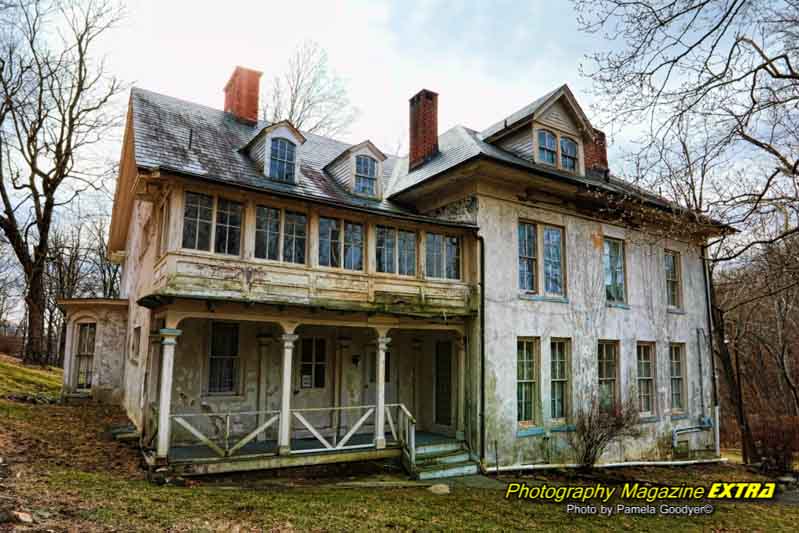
(282, 159)
(365, 175)
(568, 154)
(547, 147)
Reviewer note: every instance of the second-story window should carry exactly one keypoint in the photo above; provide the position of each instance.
(568, 154)
(282, 160)
(443, 256)
(527, 256)
(553, 260)
(228, 227)
(547, 147)
(407, 253)
(386, 245)
(614, 270)
(353, 246)
(365, 175)
(295, 237)
(329, 242)
(197, 218)
(267, 233)
(672, 266)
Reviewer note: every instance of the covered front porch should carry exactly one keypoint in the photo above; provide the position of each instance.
(231, 387)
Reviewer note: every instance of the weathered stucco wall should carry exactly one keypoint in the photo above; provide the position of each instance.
(584, 318)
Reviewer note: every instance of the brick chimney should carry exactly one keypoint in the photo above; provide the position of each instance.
(596, 154)
(241, 94)
(424, 128)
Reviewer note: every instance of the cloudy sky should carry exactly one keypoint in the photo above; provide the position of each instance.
(485, 59)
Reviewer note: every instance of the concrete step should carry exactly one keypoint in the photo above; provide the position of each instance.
(438, 448)
(457, 456)
(463, 468)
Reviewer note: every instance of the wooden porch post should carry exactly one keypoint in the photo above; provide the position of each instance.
(380, 379)
(284, 437)
(460, 430)
(169, 340)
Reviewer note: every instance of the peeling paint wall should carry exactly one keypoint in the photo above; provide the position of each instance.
(584, 319)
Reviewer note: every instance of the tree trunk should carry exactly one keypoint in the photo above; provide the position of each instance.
(35, 300)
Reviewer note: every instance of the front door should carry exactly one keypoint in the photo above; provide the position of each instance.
(443, 383)
(313, 383)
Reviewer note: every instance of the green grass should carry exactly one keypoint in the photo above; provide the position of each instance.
(16, 378)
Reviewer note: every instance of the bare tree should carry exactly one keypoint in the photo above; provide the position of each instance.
(54, 106)
(310, 94)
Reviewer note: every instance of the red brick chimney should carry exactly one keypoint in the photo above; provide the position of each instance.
(424, 128)
(241, 94)
(596, 153)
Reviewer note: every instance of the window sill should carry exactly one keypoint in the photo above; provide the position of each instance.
(224, 397)
(564, 428)
(651, 419)
(675, 311)
(616, 305)
(532, 297)
(530, 432)
(680, 416)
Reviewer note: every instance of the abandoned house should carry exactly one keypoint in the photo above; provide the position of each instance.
(290, 299)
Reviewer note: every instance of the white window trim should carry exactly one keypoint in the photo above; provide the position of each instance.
(536, 407)
(539, 281)
(653, 377)
(678, 265)
(567, 403)
(342, 238)
(268, 155)
(684, 379)
(444, 257)
(243, 235)
(580, 170)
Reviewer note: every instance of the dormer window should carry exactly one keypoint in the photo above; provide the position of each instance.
(568, 154)
(281, 160)
(547, 147)
(365, 175)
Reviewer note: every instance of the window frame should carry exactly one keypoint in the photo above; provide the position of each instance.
(314, 363)
(623, 248)
(652, 378)
(342, 243)
(558, 150)
(443, 255)
(215, 197)
(555, 150)
(307, 237)
(88, 381)
(211, 222)
(615, 378)
(281, 217)
(236, 390)
(563, 156)
(683, 407)
(374, 179)
(398, 250)
(566, 379)
(677, 279)
(535, 381)
(293, 178)
(539, 260)
(242, 217)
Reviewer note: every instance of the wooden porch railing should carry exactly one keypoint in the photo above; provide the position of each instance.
(225, 445)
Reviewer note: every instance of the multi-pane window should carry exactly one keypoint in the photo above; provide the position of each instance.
(313, 363)
(526, 379)
(559, 373)
(672, 267)
(295, 235)
(353, 246)
(267, 233)
(443, 256)
(329, 242)
(547, 147)
(385, 248)
(228, 227)
(527, 256)
(365, 175)
(608, 355)
(198, 213)
(568, 154)
(407, 253)
(677, 367)
(281, 159)
(85, 354)
(646, 377)
(613, 260)
(223, 368)
(553, 260)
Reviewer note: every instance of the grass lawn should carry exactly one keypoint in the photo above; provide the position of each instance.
(60, 466)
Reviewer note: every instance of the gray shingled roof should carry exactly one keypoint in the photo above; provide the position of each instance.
(163, 127)
(521, 114)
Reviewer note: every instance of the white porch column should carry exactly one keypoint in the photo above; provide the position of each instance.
(284, 437)
(380, 379)
(460, 430)
(169, 340)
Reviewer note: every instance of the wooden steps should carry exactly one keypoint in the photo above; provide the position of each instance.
(444, 459)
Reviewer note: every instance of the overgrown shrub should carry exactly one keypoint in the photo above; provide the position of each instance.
(777, 446)
(596, 427)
